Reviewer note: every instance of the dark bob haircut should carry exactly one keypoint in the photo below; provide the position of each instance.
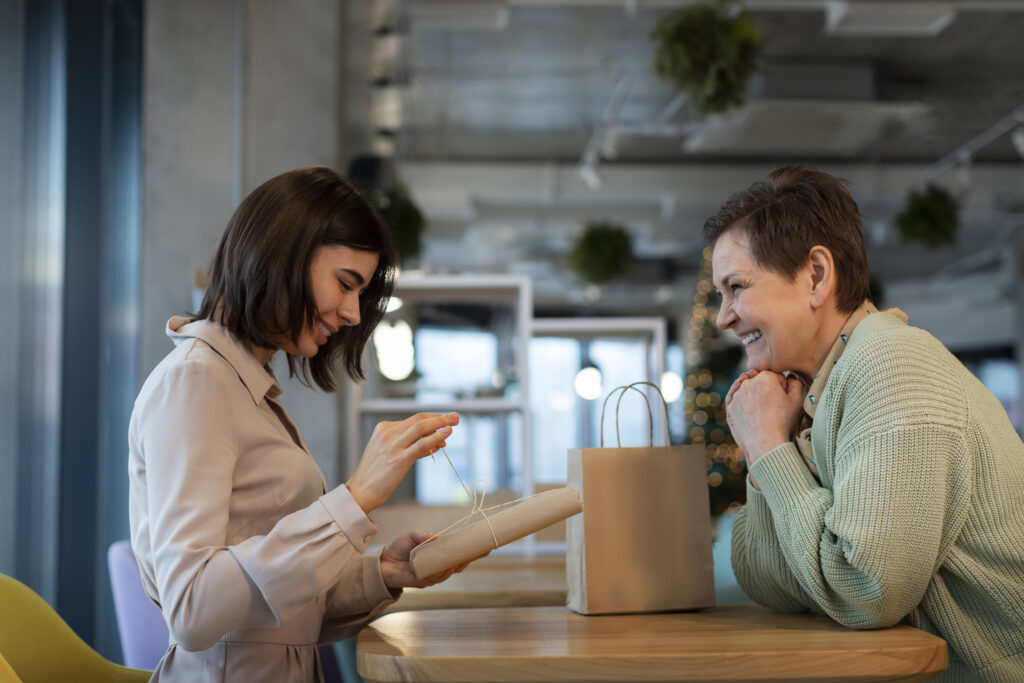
(259, 285)
(795, 209)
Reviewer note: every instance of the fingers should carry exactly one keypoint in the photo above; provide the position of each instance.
(400, 548)
(794, 388)
(749, 374)
(425, 434)
(419, 537)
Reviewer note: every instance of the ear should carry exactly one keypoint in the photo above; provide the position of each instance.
(821, 276)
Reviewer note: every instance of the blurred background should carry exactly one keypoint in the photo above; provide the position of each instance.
(548, 187)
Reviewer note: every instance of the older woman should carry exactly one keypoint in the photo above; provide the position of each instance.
(885, 480)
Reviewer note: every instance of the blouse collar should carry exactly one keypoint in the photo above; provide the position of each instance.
(256, 378)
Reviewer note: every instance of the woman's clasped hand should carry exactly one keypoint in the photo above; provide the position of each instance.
(762, 410)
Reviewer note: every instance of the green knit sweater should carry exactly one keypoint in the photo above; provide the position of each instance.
(919, 515)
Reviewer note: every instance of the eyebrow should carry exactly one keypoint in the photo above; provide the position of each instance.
(354, 274)
(722, 280)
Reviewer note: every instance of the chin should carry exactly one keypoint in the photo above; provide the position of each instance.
(756, 365)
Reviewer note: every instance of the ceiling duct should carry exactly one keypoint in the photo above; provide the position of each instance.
(804, 108)
(887, 19)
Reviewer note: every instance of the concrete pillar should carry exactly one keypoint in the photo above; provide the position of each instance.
(236, 92)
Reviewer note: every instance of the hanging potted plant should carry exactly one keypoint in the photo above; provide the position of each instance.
(602, 252)
(930, 217)
(400, 212)
(709, 51)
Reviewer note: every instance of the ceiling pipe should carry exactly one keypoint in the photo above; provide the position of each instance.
(963, 154)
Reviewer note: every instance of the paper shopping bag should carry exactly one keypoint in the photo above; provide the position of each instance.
(643, 540)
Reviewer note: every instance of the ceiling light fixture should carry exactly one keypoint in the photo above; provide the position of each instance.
(588, 381)
(1017, 138)
(588, 174)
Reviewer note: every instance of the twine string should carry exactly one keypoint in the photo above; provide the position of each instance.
(477, 503)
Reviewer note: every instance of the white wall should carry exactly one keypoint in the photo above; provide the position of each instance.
(235, 92)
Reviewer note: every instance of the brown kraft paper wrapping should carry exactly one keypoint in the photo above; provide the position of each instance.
(510, 524)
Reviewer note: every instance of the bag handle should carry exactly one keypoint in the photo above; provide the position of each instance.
(650, 415)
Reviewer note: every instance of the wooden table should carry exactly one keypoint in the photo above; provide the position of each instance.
(494, 582)
(731, 643)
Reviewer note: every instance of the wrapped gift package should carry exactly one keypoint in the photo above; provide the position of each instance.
(488, 529)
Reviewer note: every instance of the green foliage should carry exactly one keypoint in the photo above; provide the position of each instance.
(930, 217)
(405, 219)
(707, 54)
(603, 251)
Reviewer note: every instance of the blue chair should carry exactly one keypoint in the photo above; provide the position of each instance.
(143, 631)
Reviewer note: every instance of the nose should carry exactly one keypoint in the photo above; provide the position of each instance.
(349, 310)
(725, 316)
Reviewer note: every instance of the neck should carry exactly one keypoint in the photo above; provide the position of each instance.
(262, 355)
(830, 325)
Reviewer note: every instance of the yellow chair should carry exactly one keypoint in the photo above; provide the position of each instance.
(39, 647)
(7, 674)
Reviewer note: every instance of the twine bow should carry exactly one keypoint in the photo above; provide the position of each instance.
(477, 502)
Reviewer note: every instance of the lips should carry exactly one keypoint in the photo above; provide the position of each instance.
(324, 330)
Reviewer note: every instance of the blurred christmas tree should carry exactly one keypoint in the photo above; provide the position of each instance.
(712, 365)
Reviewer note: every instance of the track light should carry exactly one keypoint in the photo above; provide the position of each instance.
(1017, 138)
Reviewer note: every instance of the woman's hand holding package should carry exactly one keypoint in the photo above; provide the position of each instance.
(396, 568)
(391, 451)
(762, 409)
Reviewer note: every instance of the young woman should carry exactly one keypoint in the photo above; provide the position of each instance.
(249, 556)
(884, 478)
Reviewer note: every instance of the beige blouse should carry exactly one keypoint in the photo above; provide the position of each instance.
(251, 560)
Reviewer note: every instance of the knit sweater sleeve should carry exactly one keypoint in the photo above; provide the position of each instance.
(758, 562)
(865, 549)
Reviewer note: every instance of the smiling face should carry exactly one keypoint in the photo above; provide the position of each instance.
(337, 277)
(772, 315)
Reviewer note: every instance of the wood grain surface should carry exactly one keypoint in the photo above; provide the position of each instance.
(729, 643)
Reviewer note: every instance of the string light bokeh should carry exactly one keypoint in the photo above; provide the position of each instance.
(712, 364)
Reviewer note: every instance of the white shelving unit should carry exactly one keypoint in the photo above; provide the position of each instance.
(515, 290)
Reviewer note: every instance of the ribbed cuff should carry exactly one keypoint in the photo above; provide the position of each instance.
(783, 476)
(350, 518)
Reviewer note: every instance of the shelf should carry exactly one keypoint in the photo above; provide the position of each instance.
(461, 287)
(408, 406)
(499, 305)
